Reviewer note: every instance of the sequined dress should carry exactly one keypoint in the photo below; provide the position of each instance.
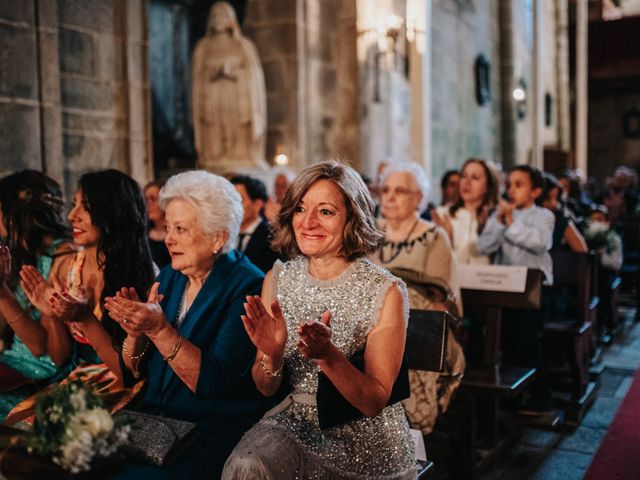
(289, 444)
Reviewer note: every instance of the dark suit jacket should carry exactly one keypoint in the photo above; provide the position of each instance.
(259, 250)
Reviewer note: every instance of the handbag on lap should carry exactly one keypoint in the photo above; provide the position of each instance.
(334, 409)
(156, 439)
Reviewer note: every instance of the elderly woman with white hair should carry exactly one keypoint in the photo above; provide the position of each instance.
(188, 339)
(420, 253)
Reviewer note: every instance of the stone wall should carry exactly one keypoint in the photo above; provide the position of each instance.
(462, 128)
(307, 50)
(385, 104)
(74, 89)
(20, 113)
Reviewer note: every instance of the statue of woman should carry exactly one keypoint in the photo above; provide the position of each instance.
(228, 96)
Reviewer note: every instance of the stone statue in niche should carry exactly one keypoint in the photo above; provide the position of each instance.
(228, 96)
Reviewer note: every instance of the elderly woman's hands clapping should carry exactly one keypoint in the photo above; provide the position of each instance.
(137, 318)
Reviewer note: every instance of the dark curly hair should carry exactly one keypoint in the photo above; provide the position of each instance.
(117, 208)
(361, 235)
(32, 210)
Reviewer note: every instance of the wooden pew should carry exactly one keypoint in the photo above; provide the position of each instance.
(570, 333)
(630, 271)
(425, 349)
(475, 408)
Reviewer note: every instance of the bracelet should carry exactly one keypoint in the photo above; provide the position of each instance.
(128, 353)
(16, 318)
(276, 373)
(176, 347)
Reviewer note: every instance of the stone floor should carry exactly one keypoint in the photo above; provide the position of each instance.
(566, 455)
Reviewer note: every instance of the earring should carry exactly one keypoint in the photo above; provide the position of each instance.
(215, 252)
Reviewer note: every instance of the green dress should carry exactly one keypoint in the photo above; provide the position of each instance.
(18, 356)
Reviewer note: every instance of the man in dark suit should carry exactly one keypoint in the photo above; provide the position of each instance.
(255, 233)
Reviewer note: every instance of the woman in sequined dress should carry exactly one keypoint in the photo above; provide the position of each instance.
(420, 253)
(316, 310)
(33, 228)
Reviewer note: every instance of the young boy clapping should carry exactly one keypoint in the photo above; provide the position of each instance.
(521, 233)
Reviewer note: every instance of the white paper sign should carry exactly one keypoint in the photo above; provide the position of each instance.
(496, 278)
(421, 452)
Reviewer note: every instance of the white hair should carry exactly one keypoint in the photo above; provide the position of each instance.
(417, 172)
(218, 204)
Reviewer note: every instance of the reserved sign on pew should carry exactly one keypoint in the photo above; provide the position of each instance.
(496, 278)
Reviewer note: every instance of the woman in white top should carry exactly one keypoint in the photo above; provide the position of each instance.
(464, 220)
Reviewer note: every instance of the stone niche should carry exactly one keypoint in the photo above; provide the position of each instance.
(73, 87)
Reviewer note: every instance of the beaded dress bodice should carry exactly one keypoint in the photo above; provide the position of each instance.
(353, 298)
(379, 446)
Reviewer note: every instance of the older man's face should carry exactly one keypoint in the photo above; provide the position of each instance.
(251, 207)
(280, 185)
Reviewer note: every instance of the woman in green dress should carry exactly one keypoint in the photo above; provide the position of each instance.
(34, 232)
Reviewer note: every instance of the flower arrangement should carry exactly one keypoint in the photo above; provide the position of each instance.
(74, 428)
(598, 236)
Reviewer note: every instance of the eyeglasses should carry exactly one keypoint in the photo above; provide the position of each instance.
(399, 191)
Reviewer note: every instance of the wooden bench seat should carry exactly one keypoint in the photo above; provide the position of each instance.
(503, 381)
(569, 334)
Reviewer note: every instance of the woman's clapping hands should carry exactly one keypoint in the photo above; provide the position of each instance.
(137, 318)
(315, 337)
(38, 290)
(267, 332)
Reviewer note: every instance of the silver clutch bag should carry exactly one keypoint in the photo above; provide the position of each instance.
(156, 439)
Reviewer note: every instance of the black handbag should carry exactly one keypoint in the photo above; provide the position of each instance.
(156, 439)
(334, 409)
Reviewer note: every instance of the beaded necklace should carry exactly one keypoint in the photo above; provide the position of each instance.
(399, 246)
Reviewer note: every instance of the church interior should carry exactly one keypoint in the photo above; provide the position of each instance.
(263, 92)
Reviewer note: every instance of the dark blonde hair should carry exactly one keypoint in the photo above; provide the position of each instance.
(361, 233)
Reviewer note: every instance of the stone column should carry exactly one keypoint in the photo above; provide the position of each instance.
(49, 78)
(419, 57)
(581, 87)
(274, 27)
(136, 89)
(508, 115)
(563, 98)
(537, 90)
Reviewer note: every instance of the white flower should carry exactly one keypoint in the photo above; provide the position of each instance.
(78, 400)
(76, 455)
(98, 421)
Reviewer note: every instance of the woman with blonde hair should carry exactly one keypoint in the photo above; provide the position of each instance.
(328, 320)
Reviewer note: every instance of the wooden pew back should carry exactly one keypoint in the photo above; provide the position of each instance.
(427, 336)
